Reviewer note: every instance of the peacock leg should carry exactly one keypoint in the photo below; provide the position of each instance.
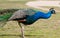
(22, 29)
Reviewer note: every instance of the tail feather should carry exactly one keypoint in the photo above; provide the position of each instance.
(5, 17)
(5, 14)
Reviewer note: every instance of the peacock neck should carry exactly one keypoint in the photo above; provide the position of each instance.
(49, 12)
(38, 15)
(48, 15)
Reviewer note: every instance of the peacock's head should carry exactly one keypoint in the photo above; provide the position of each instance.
(52, 11)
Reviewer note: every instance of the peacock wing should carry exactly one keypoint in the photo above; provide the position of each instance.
(18, 14)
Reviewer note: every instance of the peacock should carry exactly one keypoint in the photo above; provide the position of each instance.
(25, 16)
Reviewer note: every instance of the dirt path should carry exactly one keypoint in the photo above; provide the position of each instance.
(39, 4)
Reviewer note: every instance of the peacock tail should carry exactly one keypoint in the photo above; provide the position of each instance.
(5, 17)
(5, 14)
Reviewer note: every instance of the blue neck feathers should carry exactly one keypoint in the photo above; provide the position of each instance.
(42, 15)
(38, 15)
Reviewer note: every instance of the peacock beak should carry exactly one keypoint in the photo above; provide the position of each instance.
(53, 12)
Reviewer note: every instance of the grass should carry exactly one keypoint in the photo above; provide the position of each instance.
(13, 4)
(43, 28)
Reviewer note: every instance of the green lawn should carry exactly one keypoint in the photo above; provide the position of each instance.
(43, 28)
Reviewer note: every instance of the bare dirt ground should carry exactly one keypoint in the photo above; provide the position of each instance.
(44, 5)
